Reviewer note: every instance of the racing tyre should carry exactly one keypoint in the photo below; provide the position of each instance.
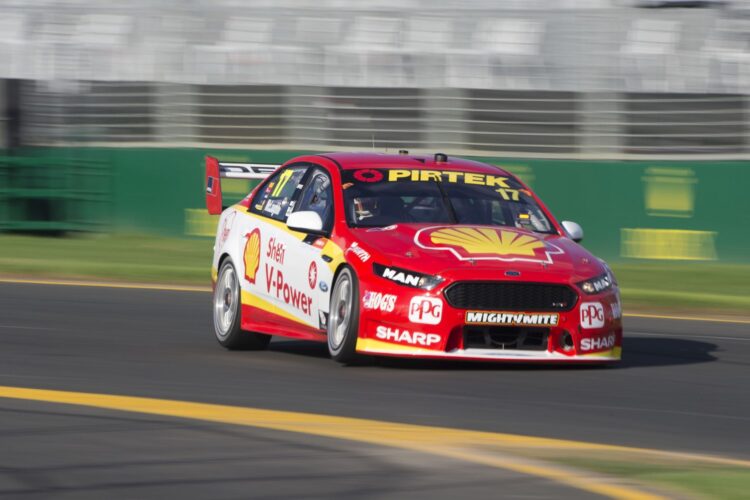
(343, 320)
(227, 314)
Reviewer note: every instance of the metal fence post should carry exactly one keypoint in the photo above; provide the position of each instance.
(602, 126)
(175, 112)
(4, 111)
(445, 113)
(306, 116)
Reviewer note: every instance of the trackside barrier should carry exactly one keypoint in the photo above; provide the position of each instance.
(54, 194)
(629, 210)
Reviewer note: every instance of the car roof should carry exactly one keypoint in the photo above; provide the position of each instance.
(349, 161)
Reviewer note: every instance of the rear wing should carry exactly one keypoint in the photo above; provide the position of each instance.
(216, 169)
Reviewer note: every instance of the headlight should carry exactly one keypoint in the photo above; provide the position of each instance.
(597, 284)
(429, 282)
(406, 277)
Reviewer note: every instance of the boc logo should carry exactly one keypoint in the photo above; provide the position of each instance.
(426, 310)
(592, 315)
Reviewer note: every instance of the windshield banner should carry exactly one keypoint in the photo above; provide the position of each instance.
(507, 187)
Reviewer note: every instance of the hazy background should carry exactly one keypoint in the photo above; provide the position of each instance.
(568, 77)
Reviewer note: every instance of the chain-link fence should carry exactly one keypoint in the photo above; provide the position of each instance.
(601, 124)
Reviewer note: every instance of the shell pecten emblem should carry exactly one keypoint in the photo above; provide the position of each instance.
(485, 240)
(483, 243)
(252, 255)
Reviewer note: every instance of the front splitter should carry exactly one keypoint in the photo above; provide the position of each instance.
(380, 348)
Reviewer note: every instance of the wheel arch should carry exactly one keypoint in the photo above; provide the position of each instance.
(344, 264)
(222, 259)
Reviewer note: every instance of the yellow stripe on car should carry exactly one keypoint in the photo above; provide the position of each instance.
(250, 299)
(614, 353)
(372, 345)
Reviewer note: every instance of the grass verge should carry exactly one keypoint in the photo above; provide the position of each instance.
(646, 286)
(135, 258)
(703, 481)
(699, 287)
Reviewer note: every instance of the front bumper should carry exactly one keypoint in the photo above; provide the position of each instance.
(589, 333)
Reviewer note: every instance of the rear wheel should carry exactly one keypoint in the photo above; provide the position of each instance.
(343, 320)
(227, 313)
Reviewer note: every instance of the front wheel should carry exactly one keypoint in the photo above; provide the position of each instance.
(227, 314)
(343, 321)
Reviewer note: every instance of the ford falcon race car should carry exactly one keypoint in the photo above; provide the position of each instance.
(404, 255)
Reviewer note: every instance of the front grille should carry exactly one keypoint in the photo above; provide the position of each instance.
(505, 337)
(505, 296)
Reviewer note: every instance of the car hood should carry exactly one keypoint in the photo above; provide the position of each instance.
(479, 252)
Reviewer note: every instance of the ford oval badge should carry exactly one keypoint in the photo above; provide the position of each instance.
(513, 273)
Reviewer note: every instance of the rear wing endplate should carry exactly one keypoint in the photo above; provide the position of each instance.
(216, 169)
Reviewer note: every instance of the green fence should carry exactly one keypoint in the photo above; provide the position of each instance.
(54, 193)
(629, 210)
(648, 209)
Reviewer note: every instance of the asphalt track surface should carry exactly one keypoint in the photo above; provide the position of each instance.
(682, 386)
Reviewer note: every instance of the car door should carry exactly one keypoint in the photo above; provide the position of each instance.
(273, 277)
(313, 262)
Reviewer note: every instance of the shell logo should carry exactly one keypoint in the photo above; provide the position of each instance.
(483, 243)
(252, 255)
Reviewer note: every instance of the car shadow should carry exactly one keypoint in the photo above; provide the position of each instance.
(638, 352)
(665, 351)
(299, 348)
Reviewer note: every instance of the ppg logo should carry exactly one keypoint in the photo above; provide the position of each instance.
(426, 310)
(592, 315)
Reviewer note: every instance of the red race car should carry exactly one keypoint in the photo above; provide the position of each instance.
(409, 256)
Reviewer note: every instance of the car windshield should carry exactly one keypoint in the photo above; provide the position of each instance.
(382, 197)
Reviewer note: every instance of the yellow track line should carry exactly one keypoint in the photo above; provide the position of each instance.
(688, 318)
(452, 443)
(188, 288)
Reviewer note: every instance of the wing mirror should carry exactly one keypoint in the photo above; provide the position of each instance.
(305, 221)
(575, 231)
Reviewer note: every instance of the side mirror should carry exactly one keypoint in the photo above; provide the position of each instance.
(305, 221)
(575, 232)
